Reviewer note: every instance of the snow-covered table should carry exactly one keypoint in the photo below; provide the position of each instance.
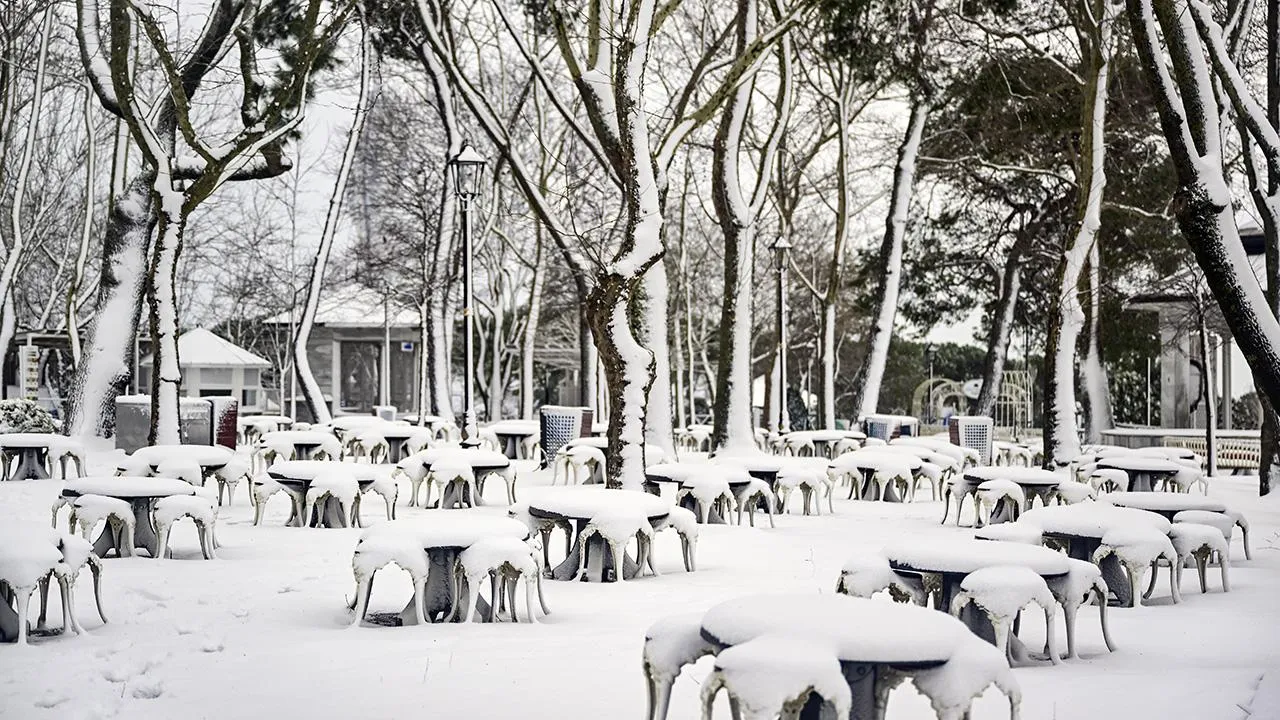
(304, 442)
(210, 458)
(1144, 471)
(352, 423)
(1079, 529)
(511, 434)
(32, 450)
(483, 463)
(1035, 482)
(141, 494)
(443, 537)
(1166, 504)
(580, 504)
(822, 441)
(866, 463)
(681, 473)
(874, 640)
(396, 435)
(295, 477)
(251, 427)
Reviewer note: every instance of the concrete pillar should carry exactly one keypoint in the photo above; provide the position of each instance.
(1227, 390)
(1175, 372)
(335, 377)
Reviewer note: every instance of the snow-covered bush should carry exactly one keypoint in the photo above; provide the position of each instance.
(24, 416)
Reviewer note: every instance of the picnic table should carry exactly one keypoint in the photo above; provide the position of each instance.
(295, 477)
(32, 450)
(874, 641)
(1166, 504)
(443, 538)
(578, 505)
(1144, 471)
(511, 434)
(1079, 529)
(141, 493)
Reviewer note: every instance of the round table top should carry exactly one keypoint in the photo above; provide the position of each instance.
(244, 420)
(305, 470)
(400, 432)
(681, 472)
(202, 455)
(874, 459)
(454, 529)
(858, 629)
(477, 458)
(351, 422)
(965, 555)
(1140, 463)
(1020, 475)
(584, 502)
(297, 437)
(595, 442)
(1162, 502)
(1090, 519)
(515, 427)
(127, 487)
(825, 435)
(752, 461)
(670, 472)
(30, 440)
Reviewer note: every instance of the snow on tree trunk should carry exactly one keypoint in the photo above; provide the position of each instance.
(1001, 329)
(496, 389)
(166, 373)
(659, 430)
(86, 232)
(310, 387)
(1093, 374)
(1066, 316)
(107, 360)
(424, 362)
(827, 366)
(867, 385)
(529, 341)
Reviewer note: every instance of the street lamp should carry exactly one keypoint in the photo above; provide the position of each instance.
(930, 350)
(468, 169)
(780, 247)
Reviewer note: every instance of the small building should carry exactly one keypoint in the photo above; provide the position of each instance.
(363, 350)
(212, 365)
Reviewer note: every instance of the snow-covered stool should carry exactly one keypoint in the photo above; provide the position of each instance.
(542, 528)
(1075, 589)
(1017, 532)
(775, 675)
(201, 511)
(89, 510)
(1201, 543)
(797, 446)
(1138, 548)
(384, 545)
(685, 523)
(845, 445)
(1070, 492)
(504, 561)
(76, 554)
(332, 499)
(615, 529)
(262, 487)
(932, 473)
(748, 495)
(1001, 501)
(1243, 523)
(1000, 592)
(29, 553)
(974, 666)
(531, 449)
(66, 453)
(1018, 456)
(579, 463)
(59, 503)
(866, 574)
(369, 445)
(1224, 522)
(1186, 478)
(707, 494)
(669, 645)
(384, 485)
(412, 467)
(1108, 480)
(811, 481)
(456, 480)
(228, 477)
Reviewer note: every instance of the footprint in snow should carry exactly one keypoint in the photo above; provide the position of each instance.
(52, 699)
(240, 613)
(211, 644)
(148, 689)
(287, 589)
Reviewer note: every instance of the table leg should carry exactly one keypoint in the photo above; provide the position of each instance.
(599, 560)
(31, 464)
(298, 500)
(8, 617)
(395, 451)
(331, 514)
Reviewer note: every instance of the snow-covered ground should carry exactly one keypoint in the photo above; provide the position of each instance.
(263, 631)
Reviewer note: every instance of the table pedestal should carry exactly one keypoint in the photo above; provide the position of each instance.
(439, 592)
(599, 560)
(31, 463)
(8, 617)
(1082, 548)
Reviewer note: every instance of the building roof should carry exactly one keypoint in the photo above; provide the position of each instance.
(201, 348)
(353, 306)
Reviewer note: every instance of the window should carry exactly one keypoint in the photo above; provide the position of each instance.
(249, 397)
(251, 377)
(215, 376)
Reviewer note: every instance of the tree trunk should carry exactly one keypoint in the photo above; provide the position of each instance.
(1066, 317)
(1269, 209)
(86, 232)
(107, 361)
(1001, 328)
(656, 318)
(166, 372)
(529, 340)
(1207, 388)
(1093, 374)
(867, 385)
(496, 390)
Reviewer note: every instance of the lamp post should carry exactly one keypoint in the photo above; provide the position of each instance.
(781, 246)
(930, 350)
(468, 167)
